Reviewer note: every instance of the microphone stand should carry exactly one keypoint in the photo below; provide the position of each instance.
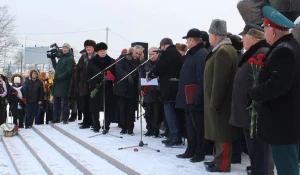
(141, 143)
(103, 96)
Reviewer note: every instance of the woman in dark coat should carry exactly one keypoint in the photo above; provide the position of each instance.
(96, 65)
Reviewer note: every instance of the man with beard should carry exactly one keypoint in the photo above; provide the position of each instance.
(168, 70)
(127, 89)
(97, 86)
(191, 75)
(259, 153)
(62, 83)
(82, 84)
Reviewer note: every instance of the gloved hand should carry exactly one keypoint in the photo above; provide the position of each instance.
(151, 76)
(130, 79)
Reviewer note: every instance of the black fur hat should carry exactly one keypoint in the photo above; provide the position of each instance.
(237, 42)
(89, 43)
(100, 46)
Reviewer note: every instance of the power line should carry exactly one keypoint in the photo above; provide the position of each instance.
(58, 33)
(119, 35)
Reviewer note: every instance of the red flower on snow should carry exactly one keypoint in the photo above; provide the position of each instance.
(252, 61)
(261, 56)
(16, 128)
(259, 63)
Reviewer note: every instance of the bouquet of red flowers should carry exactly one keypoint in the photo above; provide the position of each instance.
(256, 64)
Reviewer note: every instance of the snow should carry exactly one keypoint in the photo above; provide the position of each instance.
(145, 161)
(54, 161)
(24, 160)
(86, 158)
(297, 21)
(6, 165)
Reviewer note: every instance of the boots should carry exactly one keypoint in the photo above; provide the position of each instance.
(73, 117)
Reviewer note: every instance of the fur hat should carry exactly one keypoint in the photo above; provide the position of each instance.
(181, 47)
(205, 36)
(17, 78)
(33, 70)
(100, 46)
(218, 27)
(42, 76)
(89, 43)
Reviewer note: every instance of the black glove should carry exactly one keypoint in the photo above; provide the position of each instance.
(130, 79)
(151, 75)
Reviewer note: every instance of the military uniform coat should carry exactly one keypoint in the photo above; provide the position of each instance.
(220, 68)
(279, 94)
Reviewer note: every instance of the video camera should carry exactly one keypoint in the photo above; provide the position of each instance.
(54, 52)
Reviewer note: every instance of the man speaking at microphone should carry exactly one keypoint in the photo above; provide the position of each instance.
(127, 89)
(168, 71)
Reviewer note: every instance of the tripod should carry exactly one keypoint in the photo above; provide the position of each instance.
(141, 143)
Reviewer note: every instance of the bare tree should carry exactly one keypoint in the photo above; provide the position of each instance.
(7, 35)
(76, 55)
(18, 59)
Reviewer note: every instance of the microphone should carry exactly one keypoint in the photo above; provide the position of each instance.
(158, 51)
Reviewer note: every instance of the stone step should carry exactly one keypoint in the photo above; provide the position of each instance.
(52, 161)
(82, 158)
(25, 163)
(6, 165)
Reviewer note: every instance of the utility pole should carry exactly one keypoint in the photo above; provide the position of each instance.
(22, 57)
(107, 35)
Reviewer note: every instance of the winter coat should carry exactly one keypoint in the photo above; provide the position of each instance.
(125, 88)
(278, 94)
(220, 68)
(15, 102)
(48, 83)
(168, 71)
(34, 91)
(243, 81)
(3, 94)
(96, 65)
(81, 80)
(152, 93)
(63, 75)
(73, 91)
(192, 73)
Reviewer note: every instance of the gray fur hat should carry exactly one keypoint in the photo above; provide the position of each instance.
(218, 27)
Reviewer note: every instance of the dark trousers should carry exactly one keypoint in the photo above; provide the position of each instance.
(153, 112)
(3, 115)
(42, 111)
(32, 113)
(286, 159)
(195, 131)
(20, 116)
(222, 155)
(169, 108)
(127, 112)
(237, 147)
(61, 105)
(180, 114)
(85, 106)
(96, 122)
(49, 111)
(260, 155)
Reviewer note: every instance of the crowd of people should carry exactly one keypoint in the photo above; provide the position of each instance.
(204, 94)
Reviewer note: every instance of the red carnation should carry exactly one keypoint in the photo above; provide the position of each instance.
(252, 61)
(16, 128)
(15, 93)
(24, 100)
(110, 76)
(259, 63)
(261, 56)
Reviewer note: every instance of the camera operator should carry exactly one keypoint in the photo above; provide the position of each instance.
(168, 70)
(62, 83)
(127, 90)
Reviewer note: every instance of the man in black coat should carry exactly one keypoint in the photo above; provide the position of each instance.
(168, 70)
(259, 152)
(127, 89)
(99, 85)
(82, 84)
(191, 75)
(278, 93)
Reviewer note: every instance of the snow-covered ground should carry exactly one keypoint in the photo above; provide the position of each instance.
(66, 149)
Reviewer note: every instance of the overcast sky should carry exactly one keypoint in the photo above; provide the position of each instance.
(129, 20)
